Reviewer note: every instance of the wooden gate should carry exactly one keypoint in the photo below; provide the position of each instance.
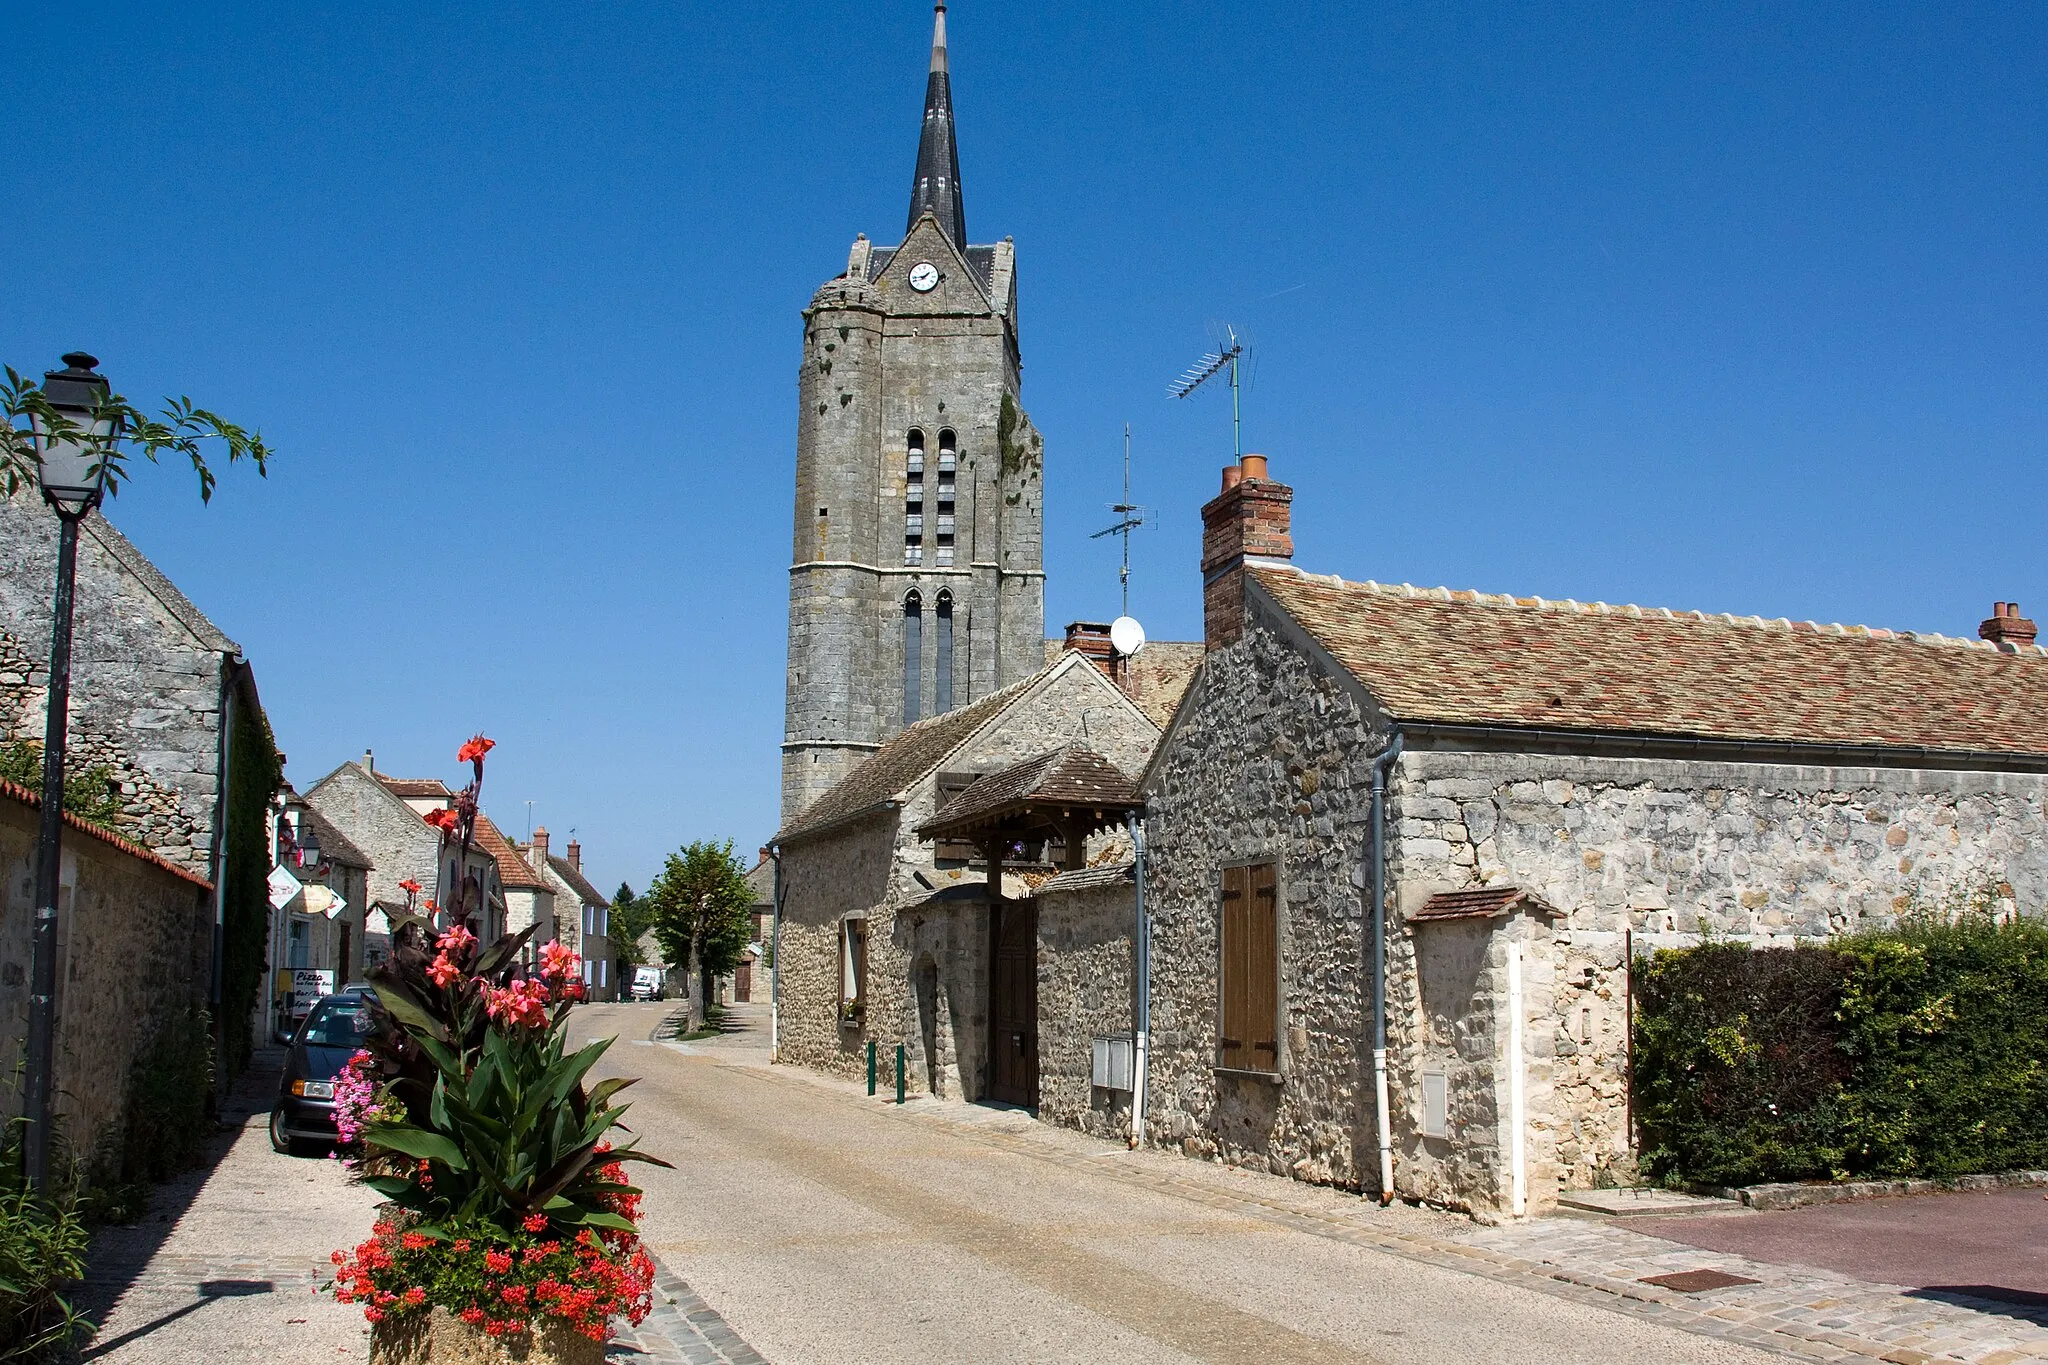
(1013, 999)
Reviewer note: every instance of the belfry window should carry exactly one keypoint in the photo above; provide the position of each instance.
(913, 498)
(943, 664)
(913, 656)
(942, 527)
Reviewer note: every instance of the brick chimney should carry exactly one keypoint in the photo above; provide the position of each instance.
(1246, 523)
(1091, 638)
(537, 851)
(2007, 628)
(575, 852)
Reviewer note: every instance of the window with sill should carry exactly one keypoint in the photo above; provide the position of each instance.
(1248, 970)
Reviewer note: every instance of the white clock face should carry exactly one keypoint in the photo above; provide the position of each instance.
(924, 277)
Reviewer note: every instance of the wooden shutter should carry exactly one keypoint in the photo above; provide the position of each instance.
(1262, 968)
(1231, 1043)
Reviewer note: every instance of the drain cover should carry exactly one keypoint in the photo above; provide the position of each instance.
(1697, 1281)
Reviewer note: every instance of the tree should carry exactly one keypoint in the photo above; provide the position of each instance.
(182, 430)
(701, 915)
(632, 917)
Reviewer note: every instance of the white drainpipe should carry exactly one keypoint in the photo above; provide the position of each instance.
(1518, 1149)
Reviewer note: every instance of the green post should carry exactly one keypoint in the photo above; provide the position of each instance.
(899, 1073)
(871, 1066)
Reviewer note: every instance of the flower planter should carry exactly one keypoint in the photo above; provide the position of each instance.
(441, 1338)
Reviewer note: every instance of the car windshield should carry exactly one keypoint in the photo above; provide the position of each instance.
(338, 1023)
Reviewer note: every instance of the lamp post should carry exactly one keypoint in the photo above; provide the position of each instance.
(72, 472)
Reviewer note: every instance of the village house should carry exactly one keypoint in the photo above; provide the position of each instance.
(582, 914)
(886, 936)
(1562, 785)
(318, 907)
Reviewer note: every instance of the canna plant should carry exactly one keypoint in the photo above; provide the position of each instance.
(505, 1175)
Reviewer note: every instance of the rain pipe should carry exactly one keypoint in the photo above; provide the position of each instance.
(1141, 1001)
(775, 963)
(1377, 913)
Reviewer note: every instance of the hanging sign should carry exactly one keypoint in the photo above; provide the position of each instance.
(283, 886)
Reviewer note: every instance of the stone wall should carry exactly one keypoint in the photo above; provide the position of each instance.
(399, 844)
(146, 676)
(928, 952)
(135, 952)
(1084, 993)
(1662, 851)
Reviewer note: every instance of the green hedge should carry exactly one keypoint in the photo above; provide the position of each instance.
(1919, 1052)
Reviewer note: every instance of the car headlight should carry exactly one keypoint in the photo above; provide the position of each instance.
(314, 1090)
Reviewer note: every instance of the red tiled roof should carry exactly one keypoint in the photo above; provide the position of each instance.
(1482, 902)
(1466, 658)
(34, 800)
(513, 871)
(416, 787)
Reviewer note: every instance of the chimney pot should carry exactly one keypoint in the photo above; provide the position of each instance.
(1231, 474)
(2007, 628)
(369, 761)
(1254, 466)
(1250, 519)
(575, 853)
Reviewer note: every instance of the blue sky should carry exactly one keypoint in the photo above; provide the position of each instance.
(1737, 307)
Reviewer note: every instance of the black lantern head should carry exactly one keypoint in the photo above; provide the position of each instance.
(73, 463)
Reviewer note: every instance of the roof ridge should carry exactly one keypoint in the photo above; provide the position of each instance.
(1781, 624)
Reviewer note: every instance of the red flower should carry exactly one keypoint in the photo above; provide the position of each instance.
(412, 1241)
(444, 973)
(497, 1262)
(474, 751)
(442, 819)
(535, 1222)
(409, 886)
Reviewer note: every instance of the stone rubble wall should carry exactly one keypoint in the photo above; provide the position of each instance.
(1665, 851)
(399, 845)
(1084, 992)
(135, 946)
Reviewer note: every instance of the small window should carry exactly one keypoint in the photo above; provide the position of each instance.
(913, 657)
(853, 970)
(943, 665)
(1248, 979)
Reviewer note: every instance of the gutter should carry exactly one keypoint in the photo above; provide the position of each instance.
(814, 831)
(1141, 983)
(1377, 914)
(1636, 744)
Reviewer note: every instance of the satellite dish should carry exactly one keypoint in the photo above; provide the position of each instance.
(1126, 635)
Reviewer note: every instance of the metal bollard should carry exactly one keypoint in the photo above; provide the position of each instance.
(899, 1073)
(871, 1066)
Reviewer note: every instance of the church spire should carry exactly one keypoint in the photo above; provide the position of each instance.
(937, 188)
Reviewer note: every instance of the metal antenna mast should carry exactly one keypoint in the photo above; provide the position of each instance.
(1224, 357)
(1133, 516)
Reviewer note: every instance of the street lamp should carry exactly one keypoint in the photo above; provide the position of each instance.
(71, 465)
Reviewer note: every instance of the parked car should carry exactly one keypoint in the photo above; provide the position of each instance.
(333, 1032)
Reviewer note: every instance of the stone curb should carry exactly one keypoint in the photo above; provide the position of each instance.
(1796, 1195)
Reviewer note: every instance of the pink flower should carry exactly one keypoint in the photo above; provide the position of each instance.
(455, 941)
(444, 973)
(522, 1004)
(558, 960)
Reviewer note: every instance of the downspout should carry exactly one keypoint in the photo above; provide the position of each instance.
(1378, 915)
(775, 963)
(1141, 993)
(216, 990)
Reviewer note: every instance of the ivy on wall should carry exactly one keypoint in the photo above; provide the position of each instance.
(1918, 1052)
(254, 776)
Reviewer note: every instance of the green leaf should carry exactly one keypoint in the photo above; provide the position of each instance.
(418, 1142)
(397, 1000)
(605, 1219)
(501, 952)
(602, 1092)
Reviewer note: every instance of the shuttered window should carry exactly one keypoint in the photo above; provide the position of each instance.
(853, 968)
(1248, 973)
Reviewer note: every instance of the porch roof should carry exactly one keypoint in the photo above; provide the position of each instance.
(1070, 784)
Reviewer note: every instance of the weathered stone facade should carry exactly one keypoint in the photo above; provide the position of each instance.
(401, 846)
(926, 918)
(1085, 990)
(135, 944)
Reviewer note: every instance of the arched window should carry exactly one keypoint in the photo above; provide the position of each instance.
(913, 498)
(944, 663)
(913, 656)
(942, 511)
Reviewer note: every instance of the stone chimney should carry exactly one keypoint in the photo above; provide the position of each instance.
(537, 851)
(575, 852)
(369, 761)
(1247, 523)
(2007, 628)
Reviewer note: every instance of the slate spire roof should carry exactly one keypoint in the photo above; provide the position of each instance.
(936, 190)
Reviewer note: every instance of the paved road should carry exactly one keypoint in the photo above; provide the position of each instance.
(829, 1228)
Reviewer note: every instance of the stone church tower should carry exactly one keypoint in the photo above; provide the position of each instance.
(916, 580)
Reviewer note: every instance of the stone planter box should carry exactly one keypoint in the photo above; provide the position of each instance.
(441, 1338)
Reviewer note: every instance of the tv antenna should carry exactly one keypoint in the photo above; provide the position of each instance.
(1225, 357)
(1133, 516)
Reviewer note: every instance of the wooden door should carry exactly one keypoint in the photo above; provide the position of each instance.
(743, 982)
(1013, 998)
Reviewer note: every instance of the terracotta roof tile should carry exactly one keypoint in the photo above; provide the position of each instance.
(416, 787)
(514, 871)
(1478, 659)
(1072, 774)
(1482, 902)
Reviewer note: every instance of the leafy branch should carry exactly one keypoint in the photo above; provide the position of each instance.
(181, 429)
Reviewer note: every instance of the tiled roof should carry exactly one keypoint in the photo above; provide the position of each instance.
(416, 787)
(898, 764)
(1088, 878)
(513, 871)
(578, 883)
(1071, 775)
(1467, 658)
(1158, 677)
(34, 800)
(1482, 902)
